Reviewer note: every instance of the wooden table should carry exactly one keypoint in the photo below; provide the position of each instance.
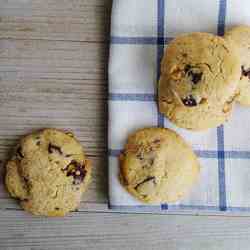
(53, 73)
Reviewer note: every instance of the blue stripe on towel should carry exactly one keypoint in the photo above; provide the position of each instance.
(132, 97)
(160, 46)
(220, 130)
(140, 40)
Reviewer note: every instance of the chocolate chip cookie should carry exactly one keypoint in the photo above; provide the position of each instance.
(48, 173)
(158, 166)
(199, 80)
(240, 36)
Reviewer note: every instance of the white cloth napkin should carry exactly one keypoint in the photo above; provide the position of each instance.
(140, 30)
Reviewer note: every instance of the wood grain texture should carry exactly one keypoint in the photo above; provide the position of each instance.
(74, 20)
(116, 231)
(53, 73)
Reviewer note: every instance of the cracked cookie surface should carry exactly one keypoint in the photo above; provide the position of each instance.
(48, 173)
(240, 37)
(158, 166)
(199, 80)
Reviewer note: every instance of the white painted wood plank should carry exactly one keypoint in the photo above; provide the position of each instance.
(55, 84)
(116, 231)
(52, 59)
(55, 20)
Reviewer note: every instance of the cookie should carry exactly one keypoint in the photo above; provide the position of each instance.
(157, 166)
(240, 36)
(199, 81)
(48, 173)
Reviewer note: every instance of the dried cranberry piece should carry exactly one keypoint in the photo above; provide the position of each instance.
(187, 68)
(195, 76)
(244, 72)
(77, 171)
(19, 152)
(150, 178)
(189, 101)
(52, 147)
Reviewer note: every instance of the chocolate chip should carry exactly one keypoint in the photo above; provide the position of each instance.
(38, 143)
(189, 101)
(25, 180)
(140, 156)
(193, 74)
(52, 147)
(187, 68)
(70, 134)
(156, 141)
(19, 152)
(150, 178)
(57, 208)
(77, 171)
(195, 77)
(151, 161)
(244, 72)
(67, 156)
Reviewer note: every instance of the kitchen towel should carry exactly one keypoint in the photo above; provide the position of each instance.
(140, 30)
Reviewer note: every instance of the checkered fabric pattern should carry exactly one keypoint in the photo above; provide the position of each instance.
(139, 32)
